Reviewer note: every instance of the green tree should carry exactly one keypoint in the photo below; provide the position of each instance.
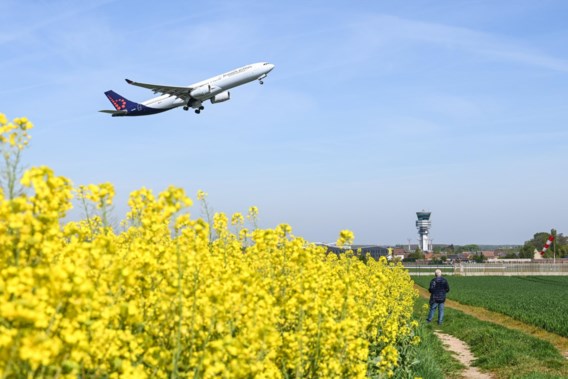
(472, 248)
(511, 255)
(479, 257)
(418, 254)
(559, 245)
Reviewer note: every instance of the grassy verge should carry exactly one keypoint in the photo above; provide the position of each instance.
(506, 353)
(431, 359)
(534, 300)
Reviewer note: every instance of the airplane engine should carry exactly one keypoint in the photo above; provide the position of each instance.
(219, 98)
(201, 91)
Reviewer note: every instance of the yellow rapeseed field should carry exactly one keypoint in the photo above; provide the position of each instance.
(172, 295)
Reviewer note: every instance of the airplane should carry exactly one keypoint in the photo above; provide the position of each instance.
(215, 89)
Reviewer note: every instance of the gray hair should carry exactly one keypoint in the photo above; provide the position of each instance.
(438, 272)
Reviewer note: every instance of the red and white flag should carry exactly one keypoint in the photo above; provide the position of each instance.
(547, 244)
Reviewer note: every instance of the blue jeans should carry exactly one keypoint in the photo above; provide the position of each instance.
(433, 307)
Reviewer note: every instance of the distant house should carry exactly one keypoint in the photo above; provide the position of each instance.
(509, 253)
(397, 251)
(488, 254)
(501, 253)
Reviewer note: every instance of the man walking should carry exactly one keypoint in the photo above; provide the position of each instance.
(438, 288)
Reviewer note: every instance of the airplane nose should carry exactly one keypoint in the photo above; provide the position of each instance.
(270, 67)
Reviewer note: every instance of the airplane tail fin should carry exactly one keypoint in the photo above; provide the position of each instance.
(120, 102)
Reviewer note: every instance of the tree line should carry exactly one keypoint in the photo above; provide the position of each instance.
(558, 248)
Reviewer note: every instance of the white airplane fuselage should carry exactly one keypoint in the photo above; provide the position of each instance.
(215, 89)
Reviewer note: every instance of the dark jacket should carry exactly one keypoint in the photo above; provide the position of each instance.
(438, 288)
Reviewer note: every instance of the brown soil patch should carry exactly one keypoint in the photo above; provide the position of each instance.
(463, 354)
(561, 343)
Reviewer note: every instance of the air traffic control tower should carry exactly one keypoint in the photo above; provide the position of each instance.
(423, 225)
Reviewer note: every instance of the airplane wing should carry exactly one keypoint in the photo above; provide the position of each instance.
(181, 92)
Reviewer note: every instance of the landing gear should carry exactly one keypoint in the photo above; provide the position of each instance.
(198, 110)
(186, 108)
(260, 78)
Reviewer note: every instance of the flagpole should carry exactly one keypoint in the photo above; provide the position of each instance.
(554, 250)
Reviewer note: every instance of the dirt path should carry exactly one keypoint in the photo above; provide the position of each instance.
(463, 354)
(561, 343)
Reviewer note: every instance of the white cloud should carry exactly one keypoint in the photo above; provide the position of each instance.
(379, 30)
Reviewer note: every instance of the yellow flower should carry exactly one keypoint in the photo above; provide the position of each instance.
(346, 237)
(253, 212)
(201, 195)
(160, 298)
(237, 219)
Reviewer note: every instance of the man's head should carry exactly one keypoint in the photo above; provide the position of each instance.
(438, 273)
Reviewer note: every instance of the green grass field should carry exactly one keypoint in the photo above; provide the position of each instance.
(504, 352)
(541, 301)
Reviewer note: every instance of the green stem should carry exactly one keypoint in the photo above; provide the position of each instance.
(177, 354)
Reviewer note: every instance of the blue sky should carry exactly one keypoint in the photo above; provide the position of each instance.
(375, 110)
